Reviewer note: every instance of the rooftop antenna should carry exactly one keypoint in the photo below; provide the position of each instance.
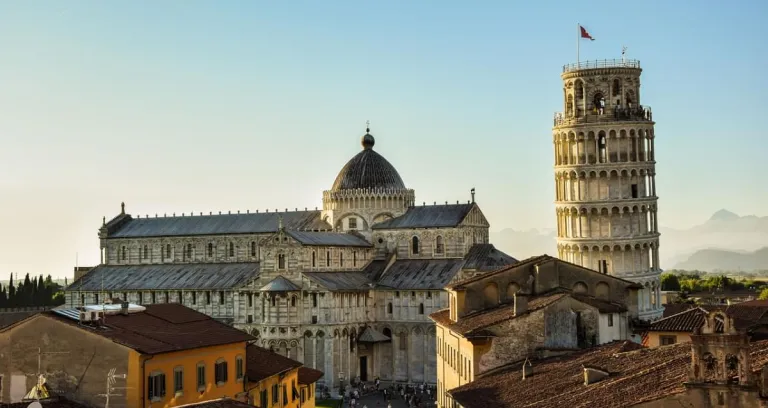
(111, 380)
(40, 366)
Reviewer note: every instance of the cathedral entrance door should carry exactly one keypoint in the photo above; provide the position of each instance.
(364, 368)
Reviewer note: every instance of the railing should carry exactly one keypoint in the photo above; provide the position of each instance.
(638, 114)
(611, 63)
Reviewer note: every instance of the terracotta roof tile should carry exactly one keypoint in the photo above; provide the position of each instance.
(162, 328)
(218, 403)
(309, 375)
(686, 321)
(637, 375)
(54, 402)
(261, 363)
(489, 317)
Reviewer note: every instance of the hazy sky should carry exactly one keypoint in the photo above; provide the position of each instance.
(180, 106)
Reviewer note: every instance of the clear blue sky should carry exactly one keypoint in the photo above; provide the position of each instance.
(180, 106)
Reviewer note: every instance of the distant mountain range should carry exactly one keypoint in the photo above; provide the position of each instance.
(718, 259)
(726, 241)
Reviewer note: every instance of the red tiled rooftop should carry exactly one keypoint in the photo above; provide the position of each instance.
(637, 375)
(309, 375)
(489, 317)
(261, 363)
(473, 323)
(162, 328)
(686, 321)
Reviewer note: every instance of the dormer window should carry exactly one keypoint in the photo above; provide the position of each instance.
(281, 261)
(352, 223)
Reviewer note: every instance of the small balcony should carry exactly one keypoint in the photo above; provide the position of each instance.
(641, 113)
(606, 63)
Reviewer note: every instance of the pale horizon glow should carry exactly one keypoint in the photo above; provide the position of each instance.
(200, 106)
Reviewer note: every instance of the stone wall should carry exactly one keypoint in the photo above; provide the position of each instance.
(79, 373)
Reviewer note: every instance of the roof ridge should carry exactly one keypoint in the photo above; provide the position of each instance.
(501, 269)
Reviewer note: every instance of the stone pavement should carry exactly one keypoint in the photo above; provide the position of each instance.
(376, 400)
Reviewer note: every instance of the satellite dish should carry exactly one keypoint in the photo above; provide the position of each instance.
(35, 405)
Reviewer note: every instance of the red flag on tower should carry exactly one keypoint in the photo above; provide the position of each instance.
(585, 34)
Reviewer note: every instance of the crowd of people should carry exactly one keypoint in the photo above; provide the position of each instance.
(414, 395)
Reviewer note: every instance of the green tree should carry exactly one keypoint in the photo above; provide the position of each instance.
(763, 294)
(669, 282)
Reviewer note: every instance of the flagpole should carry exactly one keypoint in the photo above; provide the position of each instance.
(578, 43)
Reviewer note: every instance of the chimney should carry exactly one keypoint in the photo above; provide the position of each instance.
(593, 375)
(124, 308)
(520, 304)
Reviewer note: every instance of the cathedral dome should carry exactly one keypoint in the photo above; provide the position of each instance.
(368, 170)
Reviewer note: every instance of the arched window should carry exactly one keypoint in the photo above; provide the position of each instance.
(146, 252)
(389, 307)
(328, 258)
(274, 300)
(168, 251)
(123, 254)
(421, 308)
(354, 258)
(403, 340)
(602, 290)
(569, 106)
(491, 294)
(579, 287)
(314, 259)
(439, 245)
(253, 248)
(387, 332)
(210, 250)
(341, 259)
(231, 249)
(281, 261)
(415, 245)
(512, 288)
(293, 301)
(188, 252)
(578, 87)
(616, 87)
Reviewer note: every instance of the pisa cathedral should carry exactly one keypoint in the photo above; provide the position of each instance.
(346, 289)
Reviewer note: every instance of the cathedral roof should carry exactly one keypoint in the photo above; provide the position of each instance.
(368, 170)
(280, 284)
(420, 274)
(429, 216)
(323, 238)
(485, 257)
(345, 281)
(167, 276)
(252, 223)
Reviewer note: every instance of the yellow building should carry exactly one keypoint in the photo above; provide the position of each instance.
(163, 354)
(275, 381)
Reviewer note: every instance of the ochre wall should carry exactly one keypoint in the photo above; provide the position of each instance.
(466, 358)
(141, 366)
(287, 380)
(654, 338)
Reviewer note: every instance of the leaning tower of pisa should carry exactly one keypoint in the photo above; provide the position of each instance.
(605, 194)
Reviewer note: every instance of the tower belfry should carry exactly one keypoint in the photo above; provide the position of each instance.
(605, 169)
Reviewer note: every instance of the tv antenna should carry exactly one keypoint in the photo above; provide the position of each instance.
(111, 381)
